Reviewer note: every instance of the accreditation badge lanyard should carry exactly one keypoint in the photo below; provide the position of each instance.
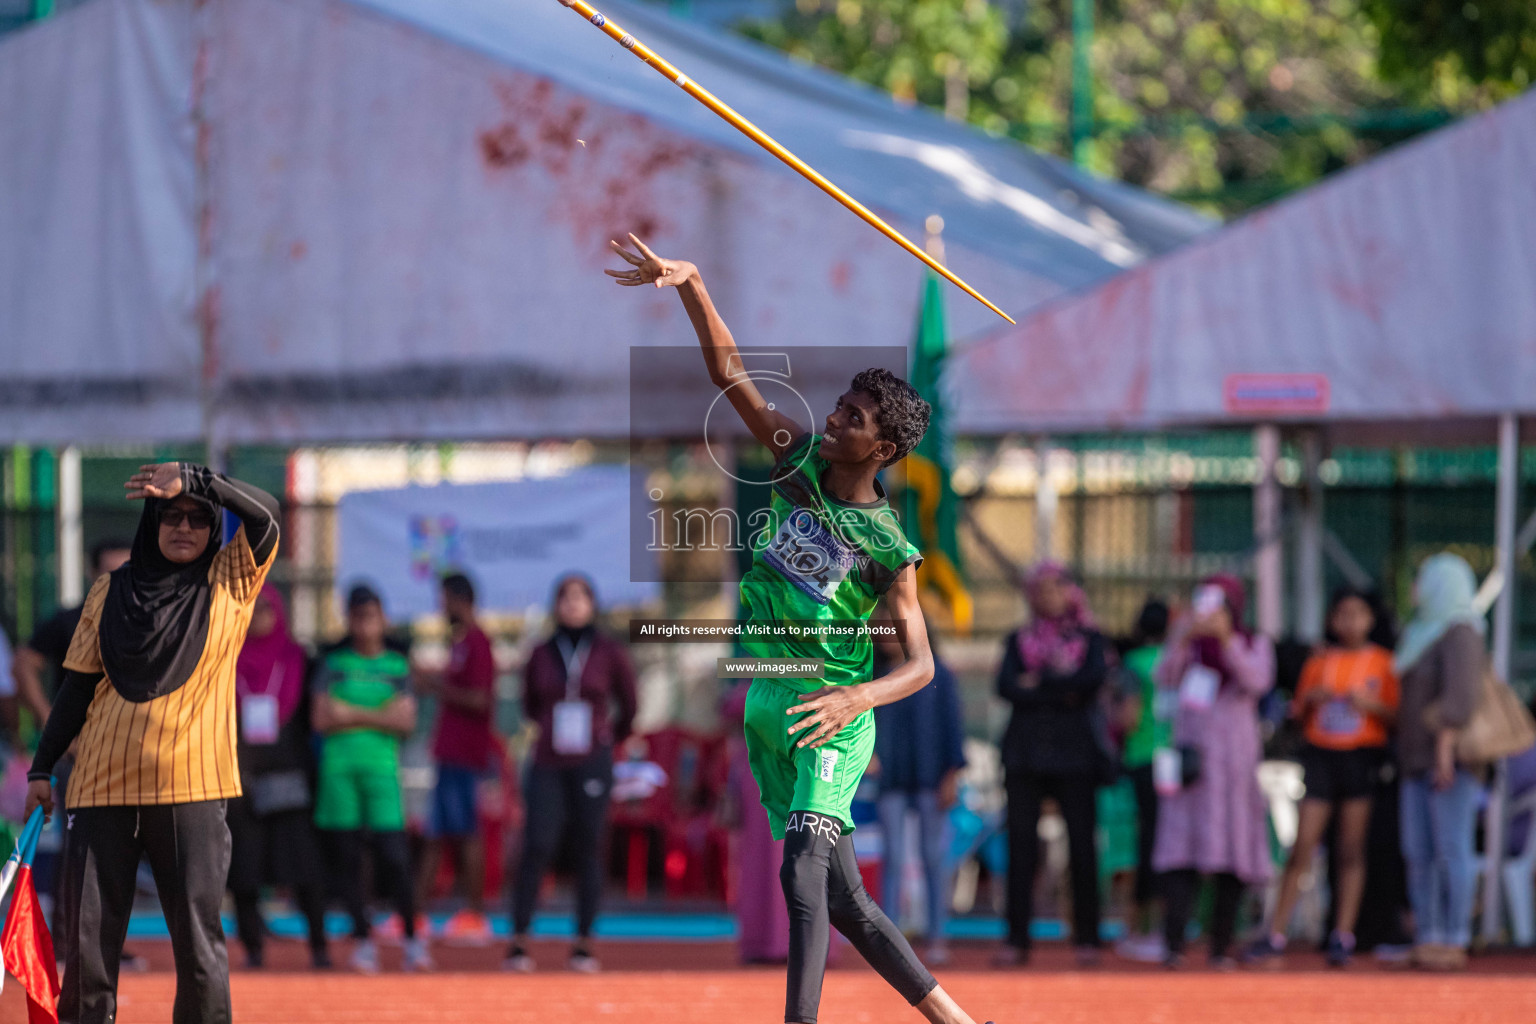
(259, 723)
(572, 732)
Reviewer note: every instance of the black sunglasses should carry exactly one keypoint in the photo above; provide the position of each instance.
(196, 518)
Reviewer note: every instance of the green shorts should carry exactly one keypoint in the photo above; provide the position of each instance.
(789, 778)
(353, 799)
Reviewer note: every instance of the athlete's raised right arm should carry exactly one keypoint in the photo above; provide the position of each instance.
(771, 427)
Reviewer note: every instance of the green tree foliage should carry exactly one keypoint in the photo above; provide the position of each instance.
(1234, 101)
(935, 52)
(1440, 46)
(1226, 103)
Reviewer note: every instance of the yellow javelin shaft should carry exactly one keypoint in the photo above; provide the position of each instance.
(763, 139)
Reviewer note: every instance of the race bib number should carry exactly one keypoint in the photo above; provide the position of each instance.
(1338, 717)
(572, 732)
(1198, 690)
(809, 556)
(258, 719)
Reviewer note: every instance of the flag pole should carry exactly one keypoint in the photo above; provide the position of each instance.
(762, 138)
(27, 839)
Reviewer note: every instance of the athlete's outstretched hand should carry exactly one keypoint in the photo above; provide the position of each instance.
(648, 268)
(831, 708)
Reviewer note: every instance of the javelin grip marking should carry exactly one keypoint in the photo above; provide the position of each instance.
(763, 139)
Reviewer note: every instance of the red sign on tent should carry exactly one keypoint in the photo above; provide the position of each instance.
(1276, 394)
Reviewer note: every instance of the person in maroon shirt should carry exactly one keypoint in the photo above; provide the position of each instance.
(580, 689)
(465, 750)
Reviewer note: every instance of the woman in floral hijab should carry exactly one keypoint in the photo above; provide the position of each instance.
(1051, 673)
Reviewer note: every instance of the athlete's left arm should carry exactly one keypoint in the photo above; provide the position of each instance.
(833, 707)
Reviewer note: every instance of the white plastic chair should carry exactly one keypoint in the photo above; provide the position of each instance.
(1520, 874)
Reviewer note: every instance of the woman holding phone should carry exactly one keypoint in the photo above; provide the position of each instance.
(1214, 822)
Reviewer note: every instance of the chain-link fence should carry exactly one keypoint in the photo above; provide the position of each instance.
(1133, 516)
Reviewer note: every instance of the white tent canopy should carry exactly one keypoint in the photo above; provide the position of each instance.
(311, 220)
(1400, 291)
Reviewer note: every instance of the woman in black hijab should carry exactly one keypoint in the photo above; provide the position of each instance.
(149, 691)
(579, 688)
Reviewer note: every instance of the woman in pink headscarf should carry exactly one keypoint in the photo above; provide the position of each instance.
(1051, 673)
(271, 831)
(1215, 824)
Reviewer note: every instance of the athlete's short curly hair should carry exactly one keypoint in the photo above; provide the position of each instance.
(901, 414)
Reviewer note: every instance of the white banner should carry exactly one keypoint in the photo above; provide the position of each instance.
(514, 540)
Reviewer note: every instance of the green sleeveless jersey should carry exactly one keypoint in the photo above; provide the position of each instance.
(817, 560)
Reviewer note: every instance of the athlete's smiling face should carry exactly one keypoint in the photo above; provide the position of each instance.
(851, 433)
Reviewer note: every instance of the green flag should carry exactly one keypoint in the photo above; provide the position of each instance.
(929, 503)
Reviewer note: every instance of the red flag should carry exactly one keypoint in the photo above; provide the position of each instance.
(27, 950)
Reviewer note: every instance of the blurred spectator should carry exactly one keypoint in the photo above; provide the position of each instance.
(1148, 716)
(1521, 769)
(466, 751)
(364, 708)
(1216, 822)
(1346, 702)
(10, 720)
(45, 652)
(50, 643)
(271, 827)
(1051, 673)
(761, 916)
(918, 744)
(579, 688)
(1441, 661)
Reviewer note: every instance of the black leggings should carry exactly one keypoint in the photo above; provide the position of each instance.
(1076, 796)
(822, 887)
(1146, 835)
(570, 804)
(252, 927)
(1180, 889)
(391, 864)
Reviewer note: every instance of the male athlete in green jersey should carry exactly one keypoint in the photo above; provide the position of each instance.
(831, 552)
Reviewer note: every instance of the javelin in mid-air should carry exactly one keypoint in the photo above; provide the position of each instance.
(762, 138)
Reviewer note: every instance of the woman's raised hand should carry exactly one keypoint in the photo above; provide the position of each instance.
(157, 480)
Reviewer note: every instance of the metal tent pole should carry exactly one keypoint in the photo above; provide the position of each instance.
(1269, 569)
(71, 529)
(1046, 502)
(1310, 599)
(1503, 648)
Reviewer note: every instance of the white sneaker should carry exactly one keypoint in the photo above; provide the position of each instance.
(519, 963)
(583, 962)
(1145, 949)
(365, 957)
(418, 956)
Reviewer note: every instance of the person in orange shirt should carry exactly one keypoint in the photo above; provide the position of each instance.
(1346, 702)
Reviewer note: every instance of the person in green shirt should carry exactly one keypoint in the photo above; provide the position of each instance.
(830, 551)
(364, 709)
(1149, 720)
